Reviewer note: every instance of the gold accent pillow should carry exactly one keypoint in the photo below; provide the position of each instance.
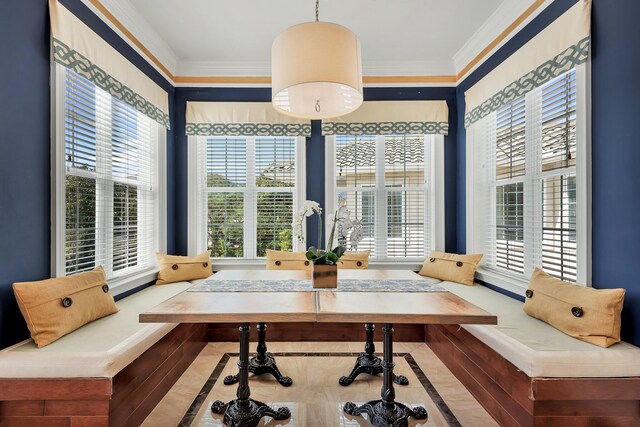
(282, 260)
(591, 315)
(354, 260)
(174, 268)
(55, 307)
(451, 267)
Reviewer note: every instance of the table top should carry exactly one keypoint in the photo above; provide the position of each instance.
(325, 306)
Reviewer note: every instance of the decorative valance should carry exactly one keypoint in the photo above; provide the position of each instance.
(78, 48)
(556, 49)
(242, 118)
(391, 118)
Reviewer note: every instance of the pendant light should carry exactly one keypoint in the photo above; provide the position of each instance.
(316, 70)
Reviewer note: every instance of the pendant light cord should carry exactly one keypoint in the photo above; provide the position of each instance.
(317, 9)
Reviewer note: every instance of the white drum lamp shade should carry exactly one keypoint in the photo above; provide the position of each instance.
(316, 71)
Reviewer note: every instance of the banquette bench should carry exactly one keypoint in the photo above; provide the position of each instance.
(112, 371)
(524, 372)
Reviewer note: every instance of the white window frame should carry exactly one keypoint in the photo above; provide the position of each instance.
(434, 217)
(126, 282)
(513, 282)
(197, 227)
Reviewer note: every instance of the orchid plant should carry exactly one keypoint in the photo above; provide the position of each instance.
(341, 225)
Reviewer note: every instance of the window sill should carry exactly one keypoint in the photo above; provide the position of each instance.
(121, 285)
(259, 264)
(505, 281)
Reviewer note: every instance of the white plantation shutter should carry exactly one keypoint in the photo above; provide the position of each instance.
(247, 191)
(510, 154)
(557, 182)
(524, 204)
(111, 191)
(385, 181)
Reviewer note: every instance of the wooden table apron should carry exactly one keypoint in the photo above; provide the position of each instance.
(318, 306)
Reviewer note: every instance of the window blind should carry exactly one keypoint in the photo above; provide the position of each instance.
(250, 187)
(384, 182)
(525, 183)
(558, 180)
(110, 182)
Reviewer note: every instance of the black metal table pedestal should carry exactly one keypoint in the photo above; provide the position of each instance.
(263, 362)
(386, 412)
(244, 411)
(368, 362)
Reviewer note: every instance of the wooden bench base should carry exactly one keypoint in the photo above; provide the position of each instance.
(513, 398)
(124, 400)
(316, 332)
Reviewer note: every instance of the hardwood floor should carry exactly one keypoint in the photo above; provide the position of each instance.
(315, 398)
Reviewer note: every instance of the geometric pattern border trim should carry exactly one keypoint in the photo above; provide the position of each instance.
(571, 57)
(248, 129)
(386, 128)
(79, 64)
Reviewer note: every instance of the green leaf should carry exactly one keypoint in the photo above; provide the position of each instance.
(339, 251)
(332, 257)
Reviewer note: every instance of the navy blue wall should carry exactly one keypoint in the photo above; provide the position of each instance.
(25, 146)
(315, 169)
(615, 36)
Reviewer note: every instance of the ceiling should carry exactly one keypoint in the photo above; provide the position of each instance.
(233, 37)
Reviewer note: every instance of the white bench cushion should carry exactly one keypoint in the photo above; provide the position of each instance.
(538, 349)
(99, 349)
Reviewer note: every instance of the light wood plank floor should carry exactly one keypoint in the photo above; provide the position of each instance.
(316, 398)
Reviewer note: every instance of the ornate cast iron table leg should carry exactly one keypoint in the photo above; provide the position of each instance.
(263, 362)
(369, 363)
(387, 412)
(244, 411)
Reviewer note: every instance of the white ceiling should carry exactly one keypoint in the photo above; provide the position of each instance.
(233, 37)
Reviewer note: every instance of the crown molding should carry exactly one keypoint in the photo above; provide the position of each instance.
(263, 68)
(223, 68)
(149, 41)
(491, 33)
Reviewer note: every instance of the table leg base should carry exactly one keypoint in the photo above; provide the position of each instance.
(382, 416)
(372, 365)
(259, 367)
(248, 415)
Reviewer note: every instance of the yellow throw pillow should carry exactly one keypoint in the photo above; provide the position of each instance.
(174, 268)
(282, 260)
(55, 307)
(451, 267)
(591, 315)
(354, 260)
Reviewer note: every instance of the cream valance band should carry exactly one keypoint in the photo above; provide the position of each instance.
(79, 49)
(561, 46)
(392, 118)
(242, 119)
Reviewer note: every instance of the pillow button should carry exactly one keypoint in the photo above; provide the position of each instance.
(359, 263)
(577, 311)
(459, 264)
(205, 264)
(105, 288)
(174, 267)
(432, 260)
(528, 293)
(278, 263)
(66, 302)
(305, 263)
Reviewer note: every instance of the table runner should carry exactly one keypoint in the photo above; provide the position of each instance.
(344, 285)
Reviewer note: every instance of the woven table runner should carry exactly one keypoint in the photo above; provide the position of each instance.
(344, 285)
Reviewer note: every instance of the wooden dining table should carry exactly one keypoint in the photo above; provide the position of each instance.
(212, 304)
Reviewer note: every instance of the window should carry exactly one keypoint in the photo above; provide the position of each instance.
(247, 194)
(528, 187)
(106, 194)
(386, 182)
